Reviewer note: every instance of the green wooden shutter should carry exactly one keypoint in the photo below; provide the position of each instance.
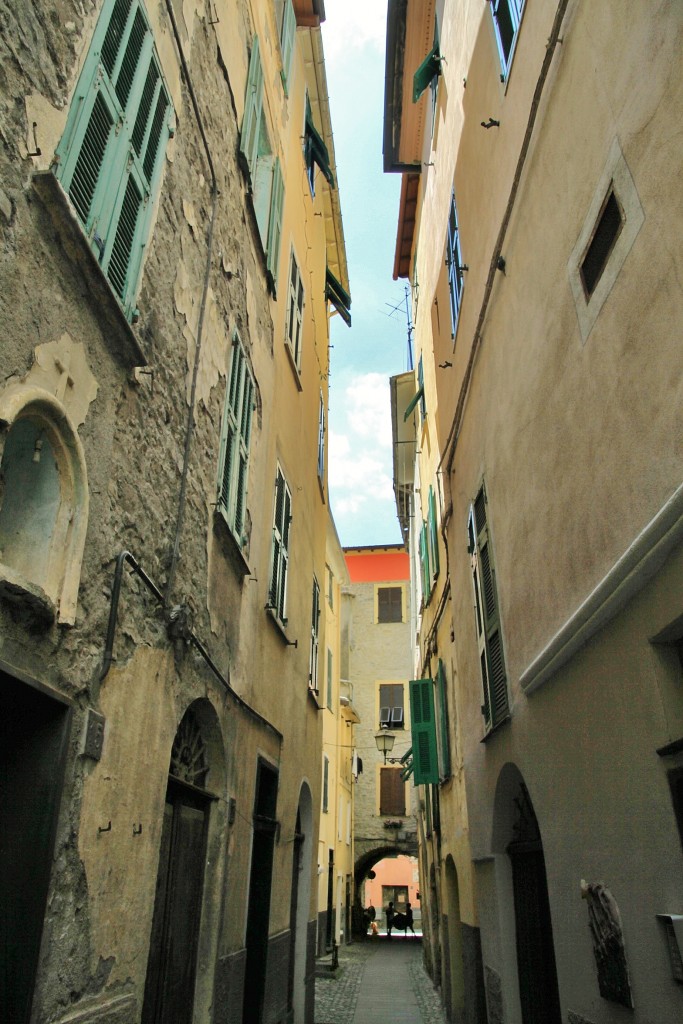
(253, 105)
(424, 563)
(433, 533)
(338, 296)
(427, 71)
(277, 198)
(423, 728)
(287, 37)
(443, 721)
(316, 150)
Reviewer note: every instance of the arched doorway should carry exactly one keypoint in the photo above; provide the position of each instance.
(301, 984)
(454, 990)
(172, 961)
(517, 834)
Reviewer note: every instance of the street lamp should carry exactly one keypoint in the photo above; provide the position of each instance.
(385, 744)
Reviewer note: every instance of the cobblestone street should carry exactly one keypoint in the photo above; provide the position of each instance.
(377, 982)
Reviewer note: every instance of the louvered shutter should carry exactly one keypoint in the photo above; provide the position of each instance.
(427, 71)
(277, 197)
(281, 527)
(287, 37)
(444, 742)
(496, 706)
(424, 563)
(253, 105)
(109, 157)
(235, 442)
(392, 792)
(315, 621)
(423, 728)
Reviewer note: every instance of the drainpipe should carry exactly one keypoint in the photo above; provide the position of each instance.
(454, 433)
(200, 326)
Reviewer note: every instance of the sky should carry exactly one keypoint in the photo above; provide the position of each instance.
(364, 356)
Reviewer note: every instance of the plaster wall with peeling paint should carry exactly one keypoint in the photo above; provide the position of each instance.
(172, 664)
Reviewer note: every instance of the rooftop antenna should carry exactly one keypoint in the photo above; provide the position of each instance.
(404, 307)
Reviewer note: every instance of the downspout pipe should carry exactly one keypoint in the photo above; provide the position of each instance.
(189, 433)
(108, 658)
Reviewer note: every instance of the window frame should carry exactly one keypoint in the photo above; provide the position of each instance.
(279, 559)
(389, 772)
(326, 785)
(392, 691)
(315, 638)
(454, 265)
(321, 440)
(294, 316)
(235, 442)
(388, 621)
(104, 202)
(515, 9)
(262, 166)
(496, 707)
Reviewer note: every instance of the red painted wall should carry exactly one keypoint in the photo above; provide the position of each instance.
(377, 565)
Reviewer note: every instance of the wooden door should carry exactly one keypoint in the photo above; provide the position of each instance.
(538, 991)
(171, 968)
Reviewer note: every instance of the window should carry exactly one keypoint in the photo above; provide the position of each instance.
(315, 151)
(326, 783)
(604, 237)
(321, 440)
(390, 604)
(330, 588)
(329, 679)
(425, 566)
(338, 296)
(433, 533)
(263, 167)
(110, 156)
(495, 707)
(235, 441)
(286, 25)
(454, 264)
(392, 792)
(282, 518)
(295, 311)
(315, 626)
(391, 705)
(428, 72)
(507, 15)
(425, 759)
(421, 389)
(443, 743)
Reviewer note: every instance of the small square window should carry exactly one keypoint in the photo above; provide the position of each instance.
(600, 248)
(390, 604)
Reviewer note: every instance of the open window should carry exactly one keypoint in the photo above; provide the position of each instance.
(315, 151)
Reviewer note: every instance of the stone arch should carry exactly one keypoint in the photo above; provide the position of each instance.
(530, 977)
(43, 505)
(369, 854)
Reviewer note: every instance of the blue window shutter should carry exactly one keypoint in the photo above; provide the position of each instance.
(253, 105)
(287, 38)
(277, 197)
(423, 729)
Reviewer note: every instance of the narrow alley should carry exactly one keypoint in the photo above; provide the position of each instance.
(378, 982)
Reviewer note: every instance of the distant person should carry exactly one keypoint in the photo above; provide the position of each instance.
(369, 914)
(409, 920)
(391, 914)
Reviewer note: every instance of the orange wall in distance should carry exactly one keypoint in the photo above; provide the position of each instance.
(399, 870)
(377, 565)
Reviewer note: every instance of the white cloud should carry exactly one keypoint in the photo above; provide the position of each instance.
(351, 24)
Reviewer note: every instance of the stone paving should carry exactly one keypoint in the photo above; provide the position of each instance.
(381, 982)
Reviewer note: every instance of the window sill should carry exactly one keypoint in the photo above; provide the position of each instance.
(313, 696)
(496, 728)
(292, 362)
(280, 626)
(229, 544)
(74, 243)
(26, 599)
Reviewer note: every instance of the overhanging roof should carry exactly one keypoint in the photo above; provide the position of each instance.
(309, 13)
(402, 389)
(410, 187)
(410, 37)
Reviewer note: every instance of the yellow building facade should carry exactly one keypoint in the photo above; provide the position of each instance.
(543, 506)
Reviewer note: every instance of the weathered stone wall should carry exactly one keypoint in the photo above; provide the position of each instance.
(101, 898)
